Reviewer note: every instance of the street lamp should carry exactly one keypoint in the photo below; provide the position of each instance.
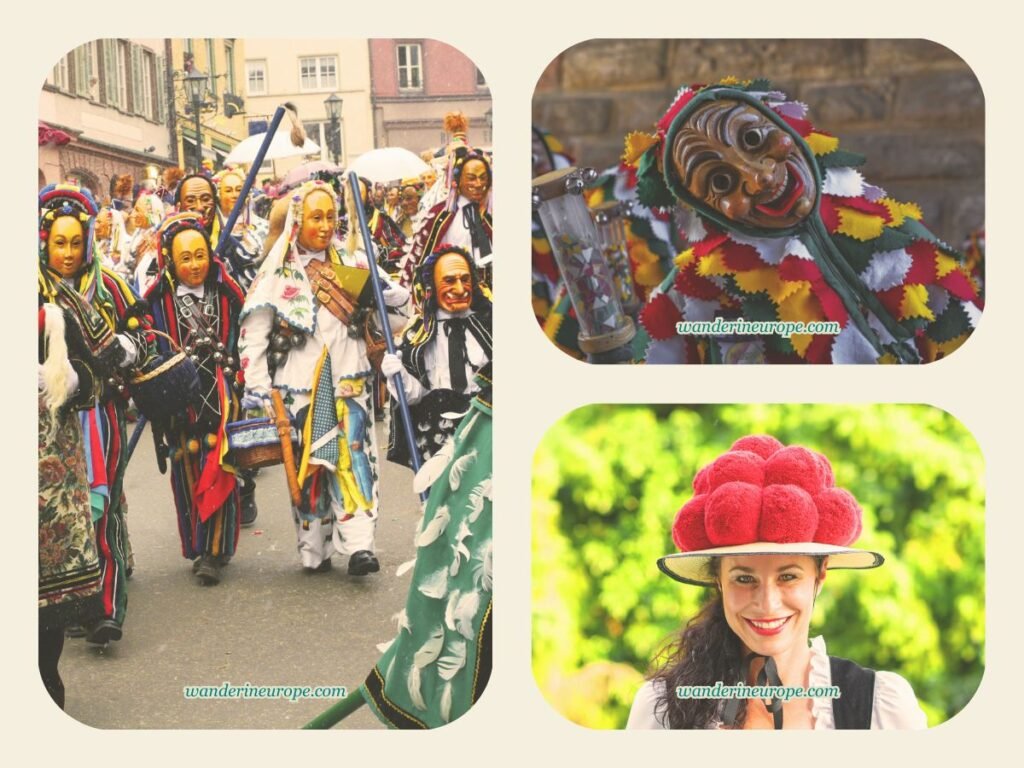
(195, 87)
(333, 106)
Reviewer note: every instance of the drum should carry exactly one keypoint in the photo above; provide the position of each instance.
(167, 386)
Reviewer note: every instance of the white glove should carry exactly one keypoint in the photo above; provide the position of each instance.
(131, 351)
(254, 400)
(392, 364)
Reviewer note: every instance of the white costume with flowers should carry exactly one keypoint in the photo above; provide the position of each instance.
(331, 375)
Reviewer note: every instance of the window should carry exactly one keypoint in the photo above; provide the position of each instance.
(60, 78)
(229, 66)
(320, 132)
(318, 73)
(211, 66)
(123, 71)
(256, 78)
(410, 70)
(146, 84)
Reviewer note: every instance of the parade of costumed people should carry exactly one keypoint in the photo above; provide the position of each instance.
(196, 305)
(303, 333)
(69, 272)
(444, 346)
(243, 343)
(764, 528)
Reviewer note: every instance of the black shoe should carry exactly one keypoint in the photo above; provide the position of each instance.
(74, 631)
(208, 571)
(362, 563)
(249, 510)
(102, 632)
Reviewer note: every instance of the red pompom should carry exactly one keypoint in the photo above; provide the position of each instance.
(731, 514)
(738, 466)
(828, 478)
(763, 445)
(660, 316)
(787, 514)
(839, 517)
(688, 530)
(700, 481)
(795, 465)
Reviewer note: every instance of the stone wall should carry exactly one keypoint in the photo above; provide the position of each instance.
(912, 107)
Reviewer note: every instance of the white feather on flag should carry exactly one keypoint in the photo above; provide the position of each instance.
(435, 527)
(402, 620)
(449, 665)
(464, 612)
(415, 694)
(449, 611)
(433, 467)
(459, 548)
(436, 585)
(445, 705)
(482, 568)
(427, 654)
(481, 491)
(459, 467)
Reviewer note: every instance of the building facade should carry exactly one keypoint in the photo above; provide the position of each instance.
(415, 82)
(103, 113)
(308, 72)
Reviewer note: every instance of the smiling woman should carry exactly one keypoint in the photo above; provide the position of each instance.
(764, 527)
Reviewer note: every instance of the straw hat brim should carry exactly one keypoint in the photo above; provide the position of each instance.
(692, 567)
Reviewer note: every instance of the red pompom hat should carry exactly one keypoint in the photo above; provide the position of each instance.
(764, 498)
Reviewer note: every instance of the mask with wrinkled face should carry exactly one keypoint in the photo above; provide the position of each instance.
(739, 163)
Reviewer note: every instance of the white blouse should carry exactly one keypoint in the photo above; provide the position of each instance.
(894, 705)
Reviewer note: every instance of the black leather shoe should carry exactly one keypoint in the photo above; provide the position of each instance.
(362, 563)
(208, 571)
(324, 567)
(102, 632)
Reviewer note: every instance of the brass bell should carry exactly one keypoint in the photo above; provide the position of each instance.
(220, 346)
(194, 358)
(217, 357)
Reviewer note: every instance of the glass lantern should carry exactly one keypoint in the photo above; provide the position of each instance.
(605, 329)
(610, 218)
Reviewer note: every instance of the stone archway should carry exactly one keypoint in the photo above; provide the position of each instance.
(86, 179)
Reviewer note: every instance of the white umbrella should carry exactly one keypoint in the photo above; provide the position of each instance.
(388, 164)
(280, 146)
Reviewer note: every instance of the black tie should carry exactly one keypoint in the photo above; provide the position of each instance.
(471, 218)
(455, 330)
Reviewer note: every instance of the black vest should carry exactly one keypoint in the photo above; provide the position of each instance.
(852, 710)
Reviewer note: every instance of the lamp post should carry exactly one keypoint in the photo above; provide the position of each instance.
(195, 87)
(333, 106)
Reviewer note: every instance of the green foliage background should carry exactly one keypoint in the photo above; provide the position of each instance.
(608, 481)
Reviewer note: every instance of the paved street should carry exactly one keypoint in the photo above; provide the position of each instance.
(267, 623)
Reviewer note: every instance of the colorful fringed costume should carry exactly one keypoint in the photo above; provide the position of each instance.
(104, 427)
(816, 243)
(454, 221)
(203, 321)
